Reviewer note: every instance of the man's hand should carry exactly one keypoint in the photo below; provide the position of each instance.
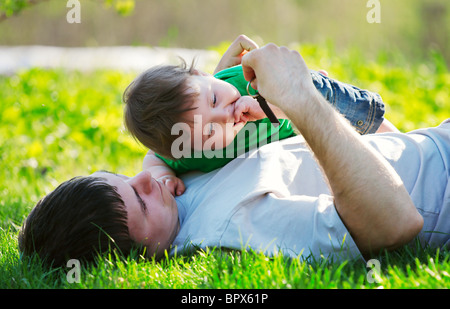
(234, 53)
(280, 75)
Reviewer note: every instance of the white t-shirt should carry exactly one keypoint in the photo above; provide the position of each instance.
(422, 160)
(275, 199)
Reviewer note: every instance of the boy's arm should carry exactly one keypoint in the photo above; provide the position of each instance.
(387, 126)
(162, 172)
(157, 167)
(364, 109)
(234, 53)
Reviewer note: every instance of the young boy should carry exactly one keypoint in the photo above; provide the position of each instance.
(218, 121)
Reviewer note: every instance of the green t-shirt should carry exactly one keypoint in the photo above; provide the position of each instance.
(254, 134)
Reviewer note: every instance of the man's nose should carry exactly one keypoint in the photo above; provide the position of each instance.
(142, 182)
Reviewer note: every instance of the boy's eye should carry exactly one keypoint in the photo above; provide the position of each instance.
(214, 100)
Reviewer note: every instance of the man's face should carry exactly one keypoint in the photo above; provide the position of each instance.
(152, 210)
(214, 114)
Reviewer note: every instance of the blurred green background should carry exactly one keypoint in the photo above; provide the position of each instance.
(412, 27)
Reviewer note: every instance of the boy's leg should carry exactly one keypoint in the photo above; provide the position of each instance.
(364, 109)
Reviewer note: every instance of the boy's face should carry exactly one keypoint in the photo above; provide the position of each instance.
(213, 115)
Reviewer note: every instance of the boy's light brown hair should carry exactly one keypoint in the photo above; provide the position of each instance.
(155, 102)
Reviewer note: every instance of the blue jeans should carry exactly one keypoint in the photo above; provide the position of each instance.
(364, 109)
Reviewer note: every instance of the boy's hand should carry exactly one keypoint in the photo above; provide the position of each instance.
(234, 53)
(174, 184)
(247, 109)
(163, 173)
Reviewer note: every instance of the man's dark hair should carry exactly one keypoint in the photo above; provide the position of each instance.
(82, 218)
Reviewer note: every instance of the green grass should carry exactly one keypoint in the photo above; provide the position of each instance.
(56, 124)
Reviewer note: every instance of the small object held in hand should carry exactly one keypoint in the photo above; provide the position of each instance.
(264, 106)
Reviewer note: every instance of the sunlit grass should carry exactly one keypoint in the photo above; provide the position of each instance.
(57, 124)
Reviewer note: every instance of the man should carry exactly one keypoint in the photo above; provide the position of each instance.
(356, 195)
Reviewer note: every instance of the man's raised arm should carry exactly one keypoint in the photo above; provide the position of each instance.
(369, 195)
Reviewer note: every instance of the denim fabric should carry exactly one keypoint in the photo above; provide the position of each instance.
(364, 109)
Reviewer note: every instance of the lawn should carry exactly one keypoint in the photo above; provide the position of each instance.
(55, 124)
